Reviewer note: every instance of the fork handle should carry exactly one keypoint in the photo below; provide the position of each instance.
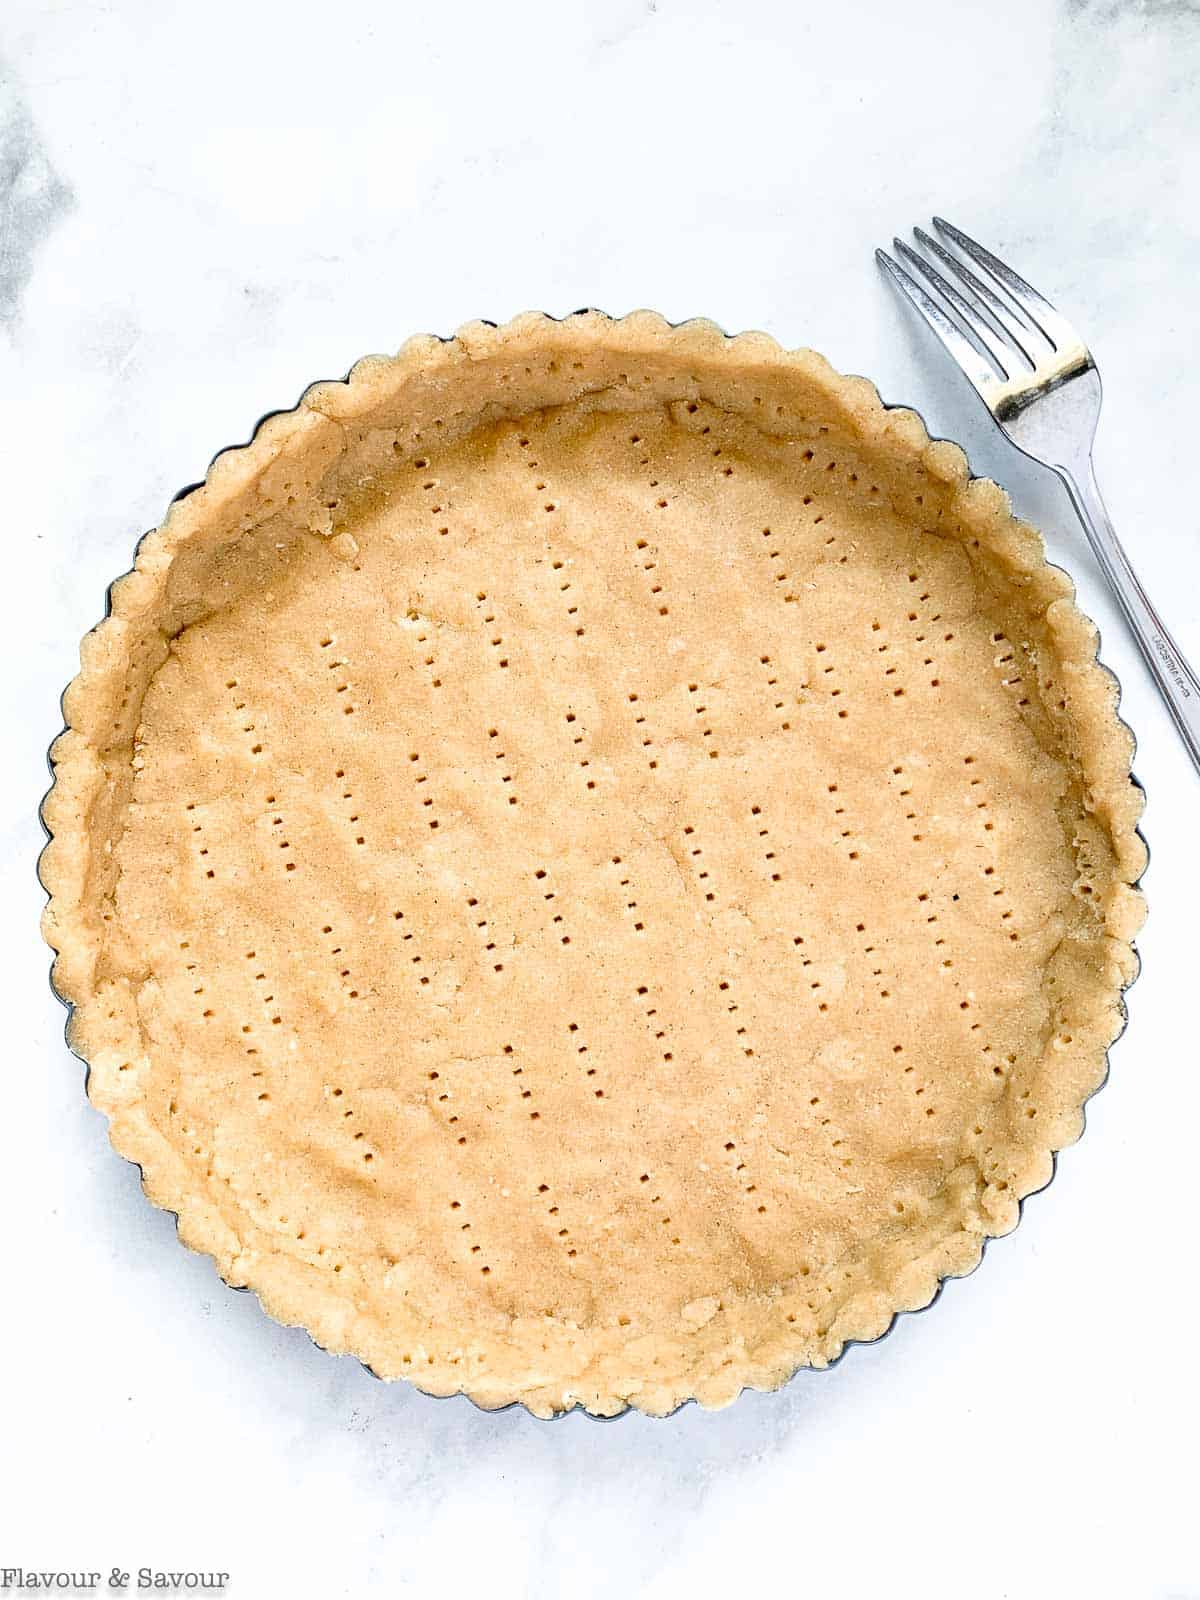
(1176, 680)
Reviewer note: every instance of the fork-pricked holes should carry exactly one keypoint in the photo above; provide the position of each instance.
(660, 500)
(783, 703)
(276, 838)
(545, 890)
(1006, 659)
(247, 720)
(947, 970)
(882, 984)
(724, 468)
(811, 982)
(485, 934)
(777, 566)
(928, 634)
(904, 1063)
(559, 1229)
(734, 1163)
(901, 783)
(699, 700)
(424, 792)
(646, 558)
(361, 1148)
(1054, 695)
(192, 976)
(440, 1096)
(729, 1004)
(349, 808)
(981, 803)
(826, 681)
(643, 737)
(176, 1111)
(834, 547)
(469, 1239)
(650, 1186)
(569, 597)
(964, 1000)
(631, 912)
(848, 839)
(203, 852)
(437, 497)
(1085, 885)
(338, 667)
(945, 965)
(835, 1135)
(646, 1002)
(427, 658)
(412, 956)
(498, 656)
(693, 852)
(584, 1061)
(502, 764)
(547, 502)
(498, 650)
(335, 941)
(257, 1036)
(908, 656)
(580, 757)
(129, 707)
(927, 913)
(522, 1086)
(200, 1000)
(469, 1245)
(766, 846)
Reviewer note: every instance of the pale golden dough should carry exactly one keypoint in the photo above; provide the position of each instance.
(594, 866)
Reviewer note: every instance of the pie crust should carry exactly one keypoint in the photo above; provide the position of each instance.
(593, 863)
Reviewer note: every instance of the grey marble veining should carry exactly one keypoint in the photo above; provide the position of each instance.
(33, 198)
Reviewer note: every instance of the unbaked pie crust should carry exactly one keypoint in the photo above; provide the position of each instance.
(593, 863)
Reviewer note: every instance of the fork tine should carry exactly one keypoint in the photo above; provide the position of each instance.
(1014, 331)
(955, 343)
(966, 311)
(1035, 306)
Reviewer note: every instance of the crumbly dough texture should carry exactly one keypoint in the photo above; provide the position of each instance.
(593, 863)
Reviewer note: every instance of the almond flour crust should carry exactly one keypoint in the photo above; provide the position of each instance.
(645, 998)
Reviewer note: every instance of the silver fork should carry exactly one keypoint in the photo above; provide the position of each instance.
(1039, 382)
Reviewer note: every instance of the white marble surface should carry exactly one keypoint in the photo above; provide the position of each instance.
(202, 208)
